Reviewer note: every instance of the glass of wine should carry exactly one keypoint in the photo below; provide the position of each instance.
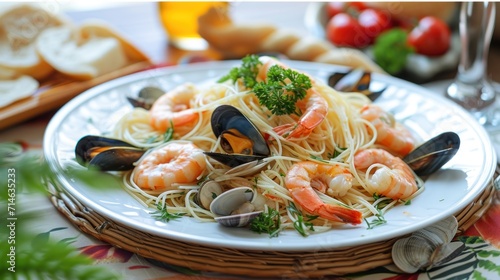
(471, 87)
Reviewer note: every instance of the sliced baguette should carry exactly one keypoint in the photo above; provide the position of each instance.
(20, 26)
(87, 51)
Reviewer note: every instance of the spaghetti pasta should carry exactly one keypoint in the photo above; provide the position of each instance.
(334, 141)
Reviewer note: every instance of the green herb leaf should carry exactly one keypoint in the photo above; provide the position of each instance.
(267, 222)
(377, 221)
(391, 50)
(163, 215)
(300, 224)
(247, 71)
(283, 88)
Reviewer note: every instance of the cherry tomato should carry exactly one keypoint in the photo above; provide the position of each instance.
(430, 37)
(334, 8)
(344, 30)
(373, 22)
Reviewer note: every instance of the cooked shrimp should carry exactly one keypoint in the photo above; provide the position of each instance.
(392, 178)
(315, 109)
(174, 108)
(305, 176)
(393, 137)
(313, 106)
(168, 165)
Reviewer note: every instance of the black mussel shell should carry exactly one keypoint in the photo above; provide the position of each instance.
(433, 154)
(146, 97)
(226, 117)
(106, 154)
(233, 160)
(356, 80)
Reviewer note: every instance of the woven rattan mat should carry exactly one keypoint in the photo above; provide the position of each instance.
(244, 262)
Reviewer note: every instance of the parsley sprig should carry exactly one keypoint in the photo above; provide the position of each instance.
(282, 89)
(247, 72)
(267, 222)
(163, 215)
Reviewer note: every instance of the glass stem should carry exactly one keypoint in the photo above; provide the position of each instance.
(471, 88)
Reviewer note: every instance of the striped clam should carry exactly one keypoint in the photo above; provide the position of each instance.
(240, 139)
(106, 154)
(236, 207)
(428, 247)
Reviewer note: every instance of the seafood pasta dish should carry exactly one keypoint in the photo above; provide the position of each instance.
(265, 147)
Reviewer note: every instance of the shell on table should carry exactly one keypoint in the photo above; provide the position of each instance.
(427, 247)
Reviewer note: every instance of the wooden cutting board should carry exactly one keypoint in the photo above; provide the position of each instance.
(55, 92)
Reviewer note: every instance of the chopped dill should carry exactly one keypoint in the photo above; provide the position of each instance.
(377, 221)
(267, 222)
(300, 224)
(163, 215)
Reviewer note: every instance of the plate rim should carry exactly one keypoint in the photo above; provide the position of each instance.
(86, 95)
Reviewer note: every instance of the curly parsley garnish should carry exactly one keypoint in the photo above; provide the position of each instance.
(247, 72)
(281, 89)
(267, 222)
(163, 215)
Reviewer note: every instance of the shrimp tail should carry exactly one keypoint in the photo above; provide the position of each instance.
(292, 130)
(339, 213)
(309, 200)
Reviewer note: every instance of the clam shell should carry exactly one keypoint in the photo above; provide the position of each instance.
(209, 190)
(229, 201)
(240, 220)
(249, 168)
(427, 247)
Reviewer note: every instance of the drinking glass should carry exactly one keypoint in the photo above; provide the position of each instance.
(471, 87)
(180, 21)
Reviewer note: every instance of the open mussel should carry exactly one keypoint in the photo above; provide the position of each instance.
(146, 97)
(433, 154)
(356, 80)
(107, 154)
(234, 208)
(239, 137)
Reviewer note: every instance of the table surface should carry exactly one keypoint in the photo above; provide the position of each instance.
(133, 20)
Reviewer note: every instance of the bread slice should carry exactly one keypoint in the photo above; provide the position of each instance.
(15, 89)
(87, 51)
(20, 26)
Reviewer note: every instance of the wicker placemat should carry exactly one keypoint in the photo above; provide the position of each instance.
(244, 262)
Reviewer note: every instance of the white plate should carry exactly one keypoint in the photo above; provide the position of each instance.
(426, 114)
(423, 67)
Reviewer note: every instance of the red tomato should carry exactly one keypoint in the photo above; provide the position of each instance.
(334, 8)
(359, 6)
(430, 37)
(373, 22)
(344, 30)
